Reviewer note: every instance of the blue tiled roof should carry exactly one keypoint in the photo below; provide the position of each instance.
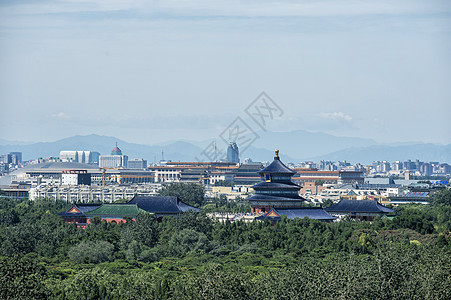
(356, 206)
(72, 215)
(276, 185)
(316, 213)
(261, 197)
(311, 213)
(83, 208)
(416, 194)
(162, 204)
(277, 167)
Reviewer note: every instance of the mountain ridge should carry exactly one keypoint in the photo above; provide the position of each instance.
(295, 146)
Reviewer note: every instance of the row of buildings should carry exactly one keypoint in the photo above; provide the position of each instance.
(276, 196)
(10, 161)
(415, 168)
(115, 160)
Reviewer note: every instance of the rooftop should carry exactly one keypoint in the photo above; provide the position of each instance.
(162, 204)
(277, 167)
(122, 210)
(316, 213)
(358, 206)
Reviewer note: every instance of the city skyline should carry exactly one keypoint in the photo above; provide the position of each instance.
(154, 72)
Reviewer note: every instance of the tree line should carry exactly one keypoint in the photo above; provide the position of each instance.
(194, 257)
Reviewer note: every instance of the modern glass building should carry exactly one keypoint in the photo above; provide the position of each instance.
(233, 154)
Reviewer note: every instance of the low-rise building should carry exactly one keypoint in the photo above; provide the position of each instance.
(86, 194)
(365, 210)
(75, 177)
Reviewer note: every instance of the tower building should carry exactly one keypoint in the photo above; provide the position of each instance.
(233, 154)
(278, 196)
(276, 190)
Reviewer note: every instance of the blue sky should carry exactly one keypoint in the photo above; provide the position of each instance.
(150, 71)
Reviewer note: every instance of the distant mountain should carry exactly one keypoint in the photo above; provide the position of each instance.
(294, 147)
(366, 155)
(8, 142)
(260, 154)
(104, 145)
(302, 144)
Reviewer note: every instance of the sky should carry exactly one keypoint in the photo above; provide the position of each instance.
(154, 71)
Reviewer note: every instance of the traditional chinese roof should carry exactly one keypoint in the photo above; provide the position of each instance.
(265, 198)
(121, 210)
(276, 185)
(277, 167)
(79, 210)
(162, 204)
(316, 213)
(359, 206)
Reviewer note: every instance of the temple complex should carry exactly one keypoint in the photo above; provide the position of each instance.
(276, 189)
(277, 195)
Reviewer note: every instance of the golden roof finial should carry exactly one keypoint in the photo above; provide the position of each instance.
(277, 153)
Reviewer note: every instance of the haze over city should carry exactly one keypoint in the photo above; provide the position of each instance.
(154, 71)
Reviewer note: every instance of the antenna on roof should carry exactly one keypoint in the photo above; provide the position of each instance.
(215, 151)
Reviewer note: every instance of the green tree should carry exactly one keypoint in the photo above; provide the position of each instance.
(22, 278)
(188, 240)
(190, 193)
(442, 198)
(92, 252)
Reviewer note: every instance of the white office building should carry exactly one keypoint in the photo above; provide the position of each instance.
(113, 161)
(83, 157)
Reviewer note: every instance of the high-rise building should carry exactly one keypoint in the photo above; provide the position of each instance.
(94, 157)
(233, 154)
(6, 158)
(426, 169)
(18, 157)
(408, 165)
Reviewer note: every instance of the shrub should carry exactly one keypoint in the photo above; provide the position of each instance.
(92, 252)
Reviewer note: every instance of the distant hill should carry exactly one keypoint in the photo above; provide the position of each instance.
(8, 142)
(294, 147)
(104, 145)
(302, 144)
(366, 155)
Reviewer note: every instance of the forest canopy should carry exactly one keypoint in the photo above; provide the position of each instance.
(195, 257)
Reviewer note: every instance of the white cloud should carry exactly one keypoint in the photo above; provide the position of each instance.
(236, 8)
(61, 116)
(336, 116)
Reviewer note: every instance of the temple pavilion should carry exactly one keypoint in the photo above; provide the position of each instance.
(277, 195)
